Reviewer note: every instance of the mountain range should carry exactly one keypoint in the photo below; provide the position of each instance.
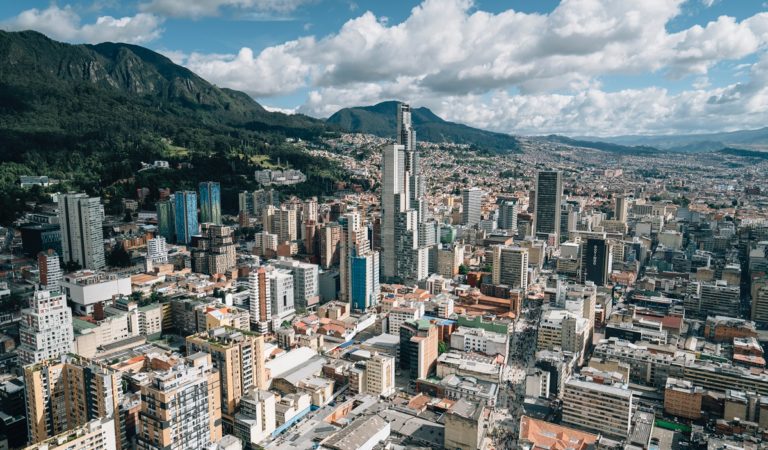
(381, 120)
(749, 139)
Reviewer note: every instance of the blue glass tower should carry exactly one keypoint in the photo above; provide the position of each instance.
(186, 216)
(210, 202)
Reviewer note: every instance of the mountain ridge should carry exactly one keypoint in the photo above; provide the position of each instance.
(381, 120)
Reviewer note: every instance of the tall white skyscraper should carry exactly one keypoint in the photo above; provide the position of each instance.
(82, 239)
(46, 328)
(260, 299)
(403, 205)
(157, 251)
(281, 290)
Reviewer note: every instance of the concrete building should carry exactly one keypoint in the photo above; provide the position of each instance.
(565, 330)
(510, 266)
(256, 421)
(157, 250)
(214, 250)
(86, 288)
(181, 406)
(508, 216)
(465, 425)
(82, 238)
(712, 299)
(306, 283)
(45, 331)
(96, 434)
(281, 293)
(479, 340)
(621, 208)
(260, 299)
(330, 240)
(683, 399)
(418, 348)
(380, 375)
(598, 408)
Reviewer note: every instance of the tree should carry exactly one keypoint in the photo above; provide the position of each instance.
(442, 347)
(118, 257)
(463, 270)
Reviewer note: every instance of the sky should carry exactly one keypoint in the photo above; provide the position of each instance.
(574, 67)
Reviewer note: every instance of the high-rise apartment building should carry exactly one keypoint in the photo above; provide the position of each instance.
(214, 251)
(186, 216)
(210, 202)
(546, 211)
(260, 300)
(239, 358)
(82, 238)
(471, 200)
(166, 219)
(281, 221)
(157, 250)
(510, 266)
(64, 395)
(46, 328)
(49, 266)
(359, 270)
(181, 406)
(330, 241)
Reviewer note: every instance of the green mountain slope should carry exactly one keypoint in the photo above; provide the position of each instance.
(381, 120)
(90, 114)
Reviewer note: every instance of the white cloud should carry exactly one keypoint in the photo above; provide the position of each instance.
(205, 8)
(65, 24)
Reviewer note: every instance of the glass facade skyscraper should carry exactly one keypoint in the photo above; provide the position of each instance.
(186, 216)
(210, 202)
(166, 220)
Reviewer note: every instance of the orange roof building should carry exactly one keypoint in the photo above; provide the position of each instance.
(543, 435)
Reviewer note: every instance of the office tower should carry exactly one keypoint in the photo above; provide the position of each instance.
(597, 407)
(418, 348)
(214, 251)
(281, 291)
(549, 193)
(620, 213)
(596, 261)
(186, 216)
(510, 266)
(380, 375)
(62, 396)
(256, 420)
(309, 210)
(245, 203)
(210, 202)
(157, 250)
(310, 239)
(239, 358)
(306, 283)
(508, 216)
(82, 238)
(46, 328)
(49, 266)
(166, 219)
(470, 206)
(330, 240)
(181, 406)
(403, 205)
(713, 299)
(260, 300)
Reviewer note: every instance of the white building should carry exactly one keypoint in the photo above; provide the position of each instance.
(470, 206)
(255, 421)
(600, 408)
(281, 292)
(380, 375)
(82, 239)
(157, 250)
(46, 328)
(480, 340)
(510, 266)
(86, 288)
(306, 281)
(400, 315)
